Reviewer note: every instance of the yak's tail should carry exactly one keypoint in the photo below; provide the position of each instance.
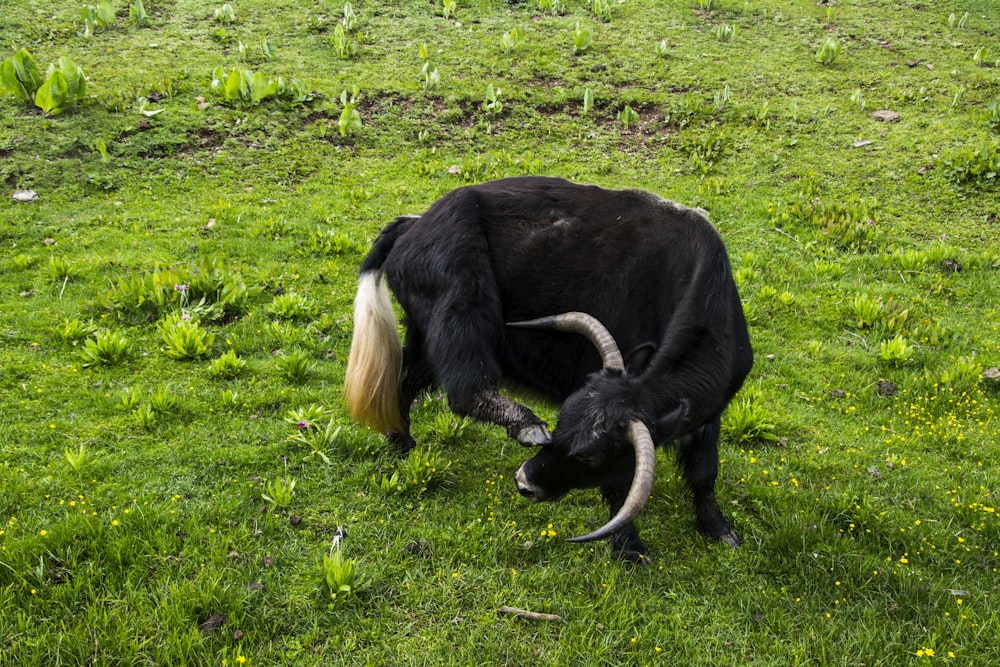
(374, 368)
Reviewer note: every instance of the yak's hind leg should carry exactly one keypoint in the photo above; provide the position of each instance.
(698, 455)
(416, 377)
(463, 351)
(444, 281)
(521, 423)
(486, 406)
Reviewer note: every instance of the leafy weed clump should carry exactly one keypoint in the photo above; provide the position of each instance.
(747, 421)
(342, 577)
(847, 225)
(974, 166)
(244, 88)
(184, 338)
(206, 290)
(227, 366)
(105, 348)
(422, 469)
(62, 88)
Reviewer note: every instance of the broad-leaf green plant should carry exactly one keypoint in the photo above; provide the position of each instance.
(349, 123)
(993, 116)
(553, 7)
(319, 437)
(425, 468)
(106, 348)
(747, 421)
(267, 48)
(296, 366)
(73, 331)
(163, 399)
(341, 577)
(61, 269)
(430, 76)
(225, 14)
(582, 39)
(279, 493)
(628, 117)
(145, 416)
(492, 104)
(137, 13)
(307, 416)
(344, 44)
(291, 306)
(974, 166)
(184, 338)
(828, 52)
(897, 350)
(76, 457)
(349, 19)
(20, 76)
(100, 16)
(959, 22)
(449, 428)
(866, 311)
(857, 98)
(726, 32)
(601, 9)
(227, 366)
(244, 87)
(64, 86)
(721, 98)
(511, 41)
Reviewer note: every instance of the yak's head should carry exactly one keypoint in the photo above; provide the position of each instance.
(590, 445)
(600, 440)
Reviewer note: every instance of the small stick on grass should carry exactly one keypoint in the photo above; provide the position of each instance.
(528, 615)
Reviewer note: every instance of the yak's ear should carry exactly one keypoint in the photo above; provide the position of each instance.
(668, 427)
(638, 359)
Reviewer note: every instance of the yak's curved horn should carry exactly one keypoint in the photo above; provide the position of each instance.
(585, 325)
(642, 484)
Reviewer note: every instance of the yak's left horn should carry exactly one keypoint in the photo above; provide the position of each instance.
(585, 325)
(642, 442)
(642, 484)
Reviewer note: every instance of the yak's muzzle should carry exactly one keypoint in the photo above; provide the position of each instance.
(526, 488)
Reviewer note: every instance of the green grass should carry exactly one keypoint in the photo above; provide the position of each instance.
(859, 465)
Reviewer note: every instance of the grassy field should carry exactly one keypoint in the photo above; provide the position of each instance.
(175, 467)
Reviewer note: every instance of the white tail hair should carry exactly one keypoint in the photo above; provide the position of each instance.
(374, 369)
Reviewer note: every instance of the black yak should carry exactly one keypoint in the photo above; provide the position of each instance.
(501, 279)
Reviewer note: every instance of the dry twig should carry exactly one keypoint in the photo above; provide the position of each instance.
(528, 615)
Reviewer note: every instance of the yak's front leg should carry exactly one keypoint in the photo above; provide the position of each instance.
(625, 543)
(521, 423)
(698, 454)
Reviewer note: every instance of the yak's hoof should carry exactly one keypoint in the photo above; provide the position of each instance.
(535, 435)
(403, 442)
(633, 556)
(627, 546)
(633, 551)
(731, 538)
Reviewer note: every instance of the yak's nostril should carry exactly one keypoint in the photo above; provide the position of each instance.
(524, 487)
